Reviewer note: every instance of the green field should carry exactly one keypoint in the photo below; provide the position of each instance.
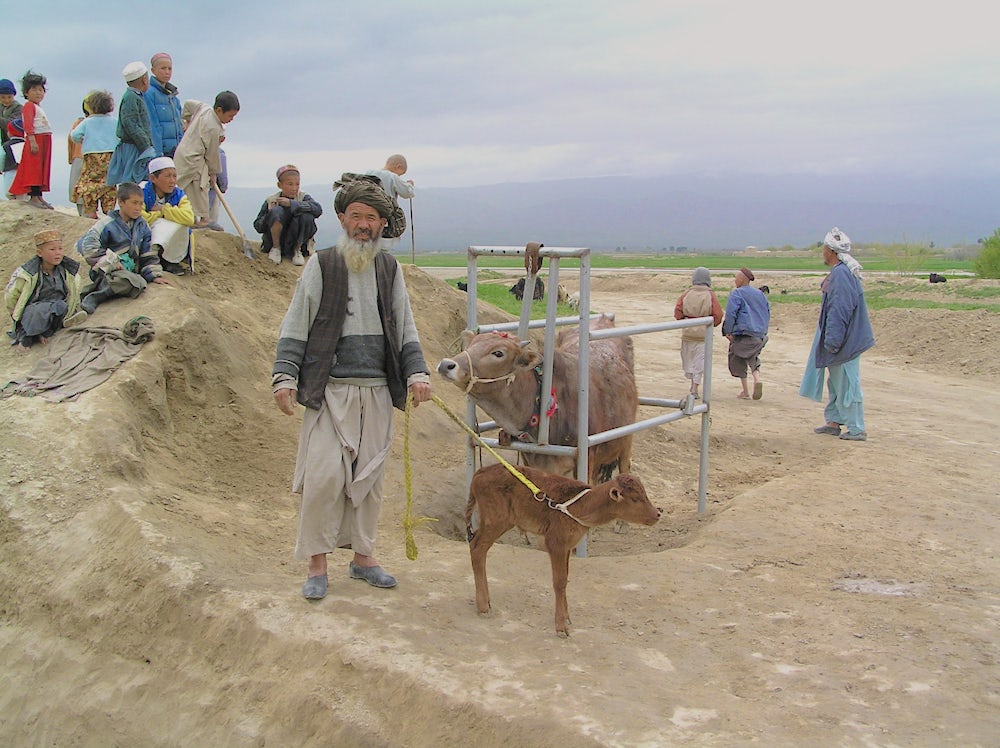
(876, 264)
(882, 298)
(498, 294)
(883, 295)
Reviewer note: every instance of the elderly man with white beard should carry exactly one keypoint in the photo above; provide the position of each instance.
(348, 351)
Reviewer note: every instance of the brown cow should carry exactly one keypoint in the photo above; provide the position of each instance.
(503, 377)
(504, 502)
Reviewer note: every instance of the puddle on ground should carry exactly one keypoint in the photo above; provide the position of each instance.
(876, 586)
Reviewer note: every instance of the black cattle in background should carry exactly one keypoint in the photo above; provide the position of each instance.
(518, 289)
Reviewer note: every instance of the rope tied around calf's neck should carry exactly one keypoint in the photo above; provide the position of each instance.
(564, 507)
(536, 493)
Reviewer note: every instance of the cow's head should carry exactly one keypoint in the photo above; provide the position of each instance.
(632, 504)
(489, 359)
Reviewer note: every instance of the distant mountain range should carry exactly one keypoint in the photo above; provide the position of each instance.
(698, 213)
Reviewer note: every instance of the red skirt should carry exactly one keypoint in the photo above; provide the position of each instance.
(34, 169)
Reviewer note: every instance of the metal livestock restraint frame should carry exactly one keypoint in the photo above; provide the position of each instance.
(685, 408)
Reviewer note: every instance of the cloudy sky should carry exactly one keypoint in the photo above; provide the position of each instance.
(481, 93)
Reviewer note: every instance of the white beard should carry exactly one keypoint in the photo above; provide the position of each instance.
(358, 254)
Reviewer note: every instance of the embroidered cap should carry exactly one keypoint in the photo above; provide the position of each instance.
(44, 237)
(286, 168)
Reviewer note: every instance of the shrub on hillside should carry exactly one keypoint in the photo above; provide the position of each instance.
(987, 265)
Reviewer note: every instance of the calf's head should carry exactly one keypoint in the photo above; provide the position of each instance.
(630, 501)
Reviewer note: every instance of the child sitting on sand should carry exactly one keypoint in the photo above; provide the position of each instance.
(168, 212)
(118, 249)
(44, 293)
(287, 219)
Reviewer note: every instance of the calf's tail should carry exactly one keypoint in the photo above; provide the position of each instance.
(470, 507)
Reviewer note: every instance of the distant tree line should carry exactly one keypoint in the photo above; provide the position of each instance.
(987, 264)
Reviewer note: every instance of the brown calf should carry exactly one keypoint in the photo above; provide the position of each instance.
(504, 502)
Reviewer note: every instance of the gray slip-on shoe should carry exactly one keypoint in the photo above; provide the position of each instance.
(77, 318)
(314, 588)
(861, 436)
(376, 576)
(831, 430)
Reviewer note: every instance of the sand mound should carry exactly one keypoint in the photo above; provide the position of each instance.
(148, 595)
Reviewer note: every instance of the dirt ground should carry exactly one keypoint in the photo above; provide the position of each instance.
(833, 594)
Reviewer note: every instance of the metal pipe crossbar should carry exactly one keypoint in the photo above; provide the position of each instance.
(536, 323)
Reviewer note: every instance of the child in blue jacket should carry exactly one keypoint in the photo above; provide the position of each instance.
(117, 247)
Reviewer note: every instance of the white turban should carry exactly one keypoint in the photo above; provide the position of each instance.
(133, 71)
(162, 162)
(840, 243)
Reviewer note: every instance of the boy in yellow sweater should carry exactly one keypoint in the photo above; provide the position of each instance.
(168, 212)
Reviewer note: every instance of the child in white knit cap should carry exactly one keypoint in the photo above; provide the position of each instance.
(169, 214)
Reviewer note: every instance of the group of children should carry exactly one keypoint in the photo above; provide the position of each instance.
(121, 251)
(106, 150)
(136, 160)
(162, 163)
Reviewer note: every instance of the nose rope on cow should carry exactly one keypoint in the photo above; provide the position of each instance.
(474, 380)
(536, 492)
(525, 435)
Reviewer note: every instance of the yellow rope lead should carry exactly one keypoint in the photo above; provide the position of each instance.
(408, 521)
(535, 490)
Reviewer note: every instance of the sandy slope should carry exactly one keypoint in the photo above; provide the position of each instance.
(834, 593)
